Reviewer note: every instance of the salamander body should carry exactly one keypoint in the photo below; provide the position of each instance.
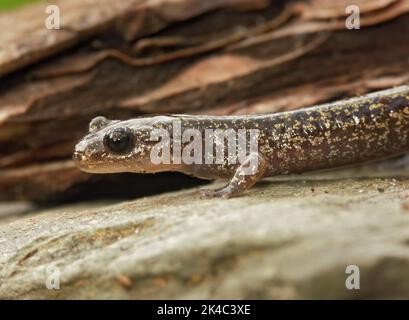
(247, 148)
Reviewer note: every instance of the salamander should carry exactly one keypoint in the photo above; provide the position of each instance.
(342, 133)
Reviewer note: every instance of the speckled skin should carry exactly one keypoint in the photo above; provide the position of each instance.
(338, 134)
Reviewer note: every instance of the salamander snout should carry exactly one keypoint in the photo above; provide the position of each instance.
(77, 157)
(82, 155)
(107, 151)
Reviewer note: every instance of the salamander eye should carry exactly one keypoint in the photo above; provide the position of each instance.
(119, 140)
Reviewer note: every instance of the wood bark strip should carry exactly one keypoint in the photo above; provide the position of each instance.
(28, 41)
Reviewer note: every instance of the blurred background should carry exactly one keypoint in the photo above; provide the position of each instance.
(129, 58)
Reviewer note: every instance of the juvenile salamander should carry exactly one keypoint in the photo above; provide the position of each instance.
(348, 132)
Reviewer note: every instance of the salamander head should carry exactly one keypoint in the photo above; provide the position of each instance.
(118, 146)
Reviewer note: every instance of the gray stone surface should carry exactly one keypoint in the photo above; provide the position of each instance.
(282, 239)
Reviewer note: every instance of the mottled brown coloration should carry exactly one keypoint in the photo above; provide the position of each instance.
(343, 133)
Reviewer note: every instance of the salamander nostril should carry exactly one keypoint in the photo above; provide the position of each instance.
(79, 152)
(76, 156)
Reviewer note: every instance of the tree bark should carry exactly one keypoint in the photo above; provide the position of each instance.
(128, 58)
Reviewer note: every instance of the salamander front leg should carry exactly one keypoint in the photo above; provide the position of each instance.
(246, 175)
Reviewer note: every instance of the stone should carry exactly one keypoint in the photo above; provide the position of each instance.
(285, 238)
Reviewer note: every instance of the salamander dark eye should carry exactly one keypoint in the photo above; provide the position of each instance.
(119, 140)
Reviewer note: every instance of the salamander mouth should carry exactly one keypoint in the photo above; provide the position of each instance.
(98, 165)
